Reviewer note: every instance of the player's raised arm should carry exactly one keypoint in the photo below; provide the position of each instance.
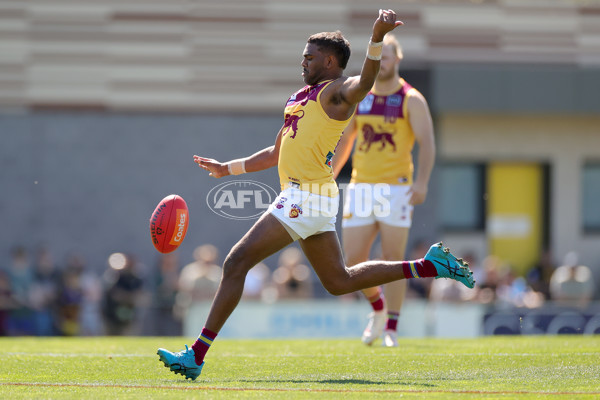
(355, 88)
(261, 160)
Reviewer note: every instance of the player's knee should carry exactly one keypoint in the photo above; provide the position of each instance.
(336, 288)
(234, 266)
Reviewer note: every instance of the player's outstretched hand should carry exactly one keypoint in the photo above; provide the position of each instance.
(386, 22)
(215, 168)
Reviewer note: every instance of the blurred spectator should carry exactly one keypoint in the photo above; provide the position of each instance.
(70, 297)
(200, 279)
(292, 278)
(572, 284)
(7, 303)
(20, 277)
(89, 288)
(448, 290)
(514, 291)
(487, 287)
(257, 280)
(509, 288)
(165, 286)
(539, 276)
(123, 295)
(478, 273)
(43, 293)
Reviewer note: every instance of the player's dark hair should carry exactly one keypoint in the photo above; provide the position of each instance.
(335, 43)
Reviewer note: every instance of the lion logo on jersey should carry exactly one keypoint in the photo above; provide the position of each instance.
(291, 122)
(370, 137)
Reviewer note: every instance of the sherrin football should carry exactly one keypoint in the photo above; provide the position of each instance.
(169, 223)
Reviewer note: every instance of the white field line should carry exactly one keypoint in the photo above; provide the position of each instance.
(395, 355)
(266, 389)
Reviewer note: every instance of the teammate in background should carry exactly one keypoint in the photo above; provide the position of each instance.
(386, 125)
(305, 210)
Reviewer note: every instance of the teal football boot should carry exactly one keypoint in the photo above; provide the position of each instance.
(182, 363)
(448, 266)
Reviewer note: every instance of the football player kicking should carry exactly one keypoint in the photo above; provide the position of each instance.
(307, 206)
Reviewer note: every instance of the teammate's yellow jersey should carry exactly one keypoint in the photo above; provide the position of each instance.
(309, 139)
(384, 142)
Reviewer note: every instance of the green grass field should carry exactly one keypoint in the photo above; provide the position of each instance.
(523, 367)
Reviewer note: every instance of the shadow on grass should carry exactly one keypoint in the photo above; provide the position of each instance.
(333, 385)
(339, 382)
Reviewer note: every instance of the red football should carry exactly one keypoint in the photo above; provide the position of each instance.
(169, 223)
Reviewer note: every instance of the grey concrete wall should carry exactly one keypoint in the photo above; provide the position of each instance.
(515, 89)
(88, 182)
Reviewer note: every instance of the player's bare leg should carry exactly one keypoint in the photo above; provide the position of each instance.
(265, 238)
(357, 242)
(324, 253)
(393, 245)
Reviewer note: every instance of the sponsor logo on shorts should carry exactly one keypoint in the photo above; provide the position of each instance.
(241, 200)
(295, 211)
(279, 204)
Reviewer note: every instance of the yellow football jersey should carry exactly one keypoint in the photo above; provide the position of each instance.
(384, 142)
(309, 139)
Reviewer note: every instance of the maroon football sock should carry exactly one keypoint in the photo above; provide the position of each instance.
(392, 322)
(377, 301)
(202, 344)
(419, 269)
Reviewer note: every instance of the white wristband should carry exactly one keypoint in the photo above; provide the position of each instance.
(374, 50)
(236, 167)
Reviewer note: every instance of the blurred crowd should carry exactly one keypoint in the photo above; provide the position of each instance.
(41, 297)
(566, 284)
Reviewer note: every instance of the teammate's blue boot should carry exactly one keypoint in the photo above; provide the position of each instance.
(182, 362)
(449, 266)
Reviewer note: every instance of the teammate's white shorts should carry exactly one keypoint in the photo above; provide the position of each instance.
(368, 203)
(303, 213)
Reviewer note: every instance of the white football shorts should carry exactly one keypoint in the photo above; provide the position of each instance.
(303, 213)
(368, 203)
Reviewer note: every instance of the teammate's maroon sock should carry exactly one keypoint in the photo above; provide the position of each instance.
(419, 269)
(377, 301)
(392, 322)
(202, 344)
